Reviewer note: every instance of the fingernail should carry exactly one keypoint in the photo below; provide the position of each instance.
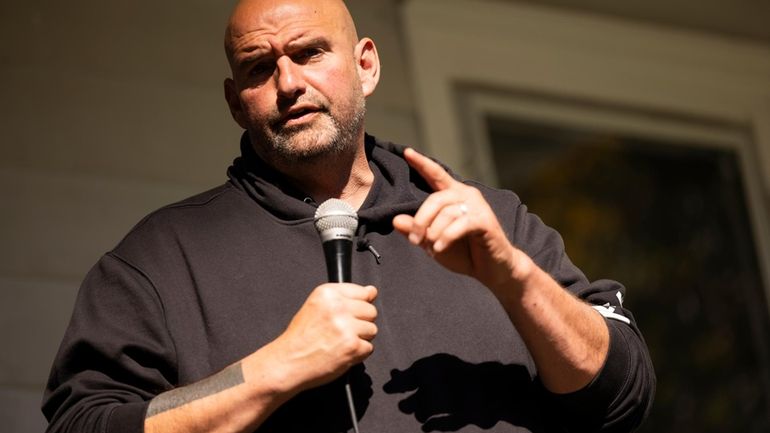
(413, 238)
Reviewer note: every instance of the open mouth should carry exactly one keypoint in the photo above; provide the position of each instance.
(298, 117)
(298, 114)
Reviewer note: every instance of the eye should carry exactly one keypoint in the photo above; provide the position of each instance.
(307, 54)
(262, 68)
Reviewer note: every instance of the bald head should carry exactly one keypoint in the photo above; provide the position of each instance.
(300, 80)
(272, 16)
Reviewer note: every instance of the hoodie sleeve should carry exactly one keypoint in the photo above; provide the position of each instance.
(620, 396)
(115, 356)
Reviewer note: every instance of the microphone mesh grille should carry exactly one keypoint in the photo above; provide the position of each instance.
(335, 214)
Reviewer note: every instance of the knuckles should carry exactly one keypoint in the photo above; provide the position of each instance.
(329, 317)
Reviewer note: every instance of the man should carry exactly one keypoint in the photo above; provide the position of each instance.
(212, 314)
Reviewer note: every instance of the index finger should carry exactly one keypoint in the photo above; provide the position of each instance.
(436, 176)
(355, 291)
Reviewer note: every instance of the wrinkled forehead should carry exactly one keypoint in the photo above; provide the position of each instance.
(275, 17)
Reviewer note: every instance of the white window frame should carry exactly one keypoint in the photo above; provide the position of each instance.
(472, 58)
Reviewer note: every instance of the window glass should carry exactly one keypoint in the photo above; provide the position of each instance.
(668, 220)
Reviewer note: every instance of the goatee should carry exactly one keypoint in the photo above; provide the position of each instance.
(325, 136)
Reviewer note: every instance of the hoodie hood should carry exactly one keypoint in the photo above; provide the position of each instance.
(397, 188)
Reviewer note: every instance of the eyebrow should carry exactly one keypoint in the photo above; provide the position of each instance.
(318, 41)
(250, 53)
(252, 57)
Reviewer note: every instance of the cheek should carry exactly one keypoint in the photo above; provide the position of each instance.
(335, 83)
(254, 101)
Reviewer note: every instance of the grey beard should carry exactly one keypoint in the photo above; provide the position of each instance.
(342, 140)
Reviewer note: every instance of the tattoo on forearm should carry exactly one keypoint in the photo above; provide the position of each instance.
(230, 377)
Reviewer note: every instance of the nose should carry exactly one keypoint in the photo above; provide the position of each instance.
(289, 80)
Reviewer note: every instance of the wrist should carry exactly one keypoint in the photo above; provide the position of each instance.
(519, 274)
(269, 375)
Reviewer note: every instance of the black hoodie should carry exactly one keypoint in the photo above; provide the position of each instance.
(202, 283)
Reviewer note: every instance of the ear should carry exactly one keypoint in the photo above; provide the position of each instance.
(234, 102)
(368, 63)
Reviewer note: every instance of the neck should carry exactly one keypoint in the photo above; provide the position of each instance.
(346, 176)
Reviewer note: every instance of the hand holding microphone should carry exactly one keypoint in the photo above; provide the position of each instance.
(330, 333)
(333, 329)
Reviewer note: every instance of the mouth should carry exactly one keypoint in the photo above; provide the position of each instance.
(299, 115)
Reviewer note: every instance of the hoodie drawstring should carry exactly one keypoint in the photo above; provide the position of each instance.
(363, 243)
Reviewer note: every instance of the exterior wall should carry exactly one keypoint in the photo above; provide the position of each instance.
(391, 113)
(108, 112)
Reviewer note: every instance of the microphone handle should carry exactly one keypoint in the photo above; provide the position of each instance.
(337, 253)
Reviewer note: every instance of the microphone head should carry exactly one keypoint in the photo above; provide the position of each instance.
(335, 219)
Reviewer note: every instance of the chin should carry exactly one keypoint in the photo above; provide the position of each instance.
(308, 144)
(311, 142)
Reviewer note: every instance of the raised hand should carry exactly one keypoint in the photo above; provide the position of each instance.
(458, 228)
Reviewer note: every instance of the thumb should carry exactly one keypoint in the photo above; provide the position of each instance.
(403, 223)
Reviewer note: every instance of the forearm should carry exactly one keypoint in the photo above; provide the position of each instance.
(329, 334)
(567, 338)
(237, 399)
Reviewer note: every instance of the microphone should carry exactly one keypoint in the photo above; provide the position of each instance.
(336, 223)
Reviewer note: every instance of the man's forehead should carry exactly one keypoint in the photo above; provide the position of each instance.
(252, 18)
(251, 14)
(286, 33)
